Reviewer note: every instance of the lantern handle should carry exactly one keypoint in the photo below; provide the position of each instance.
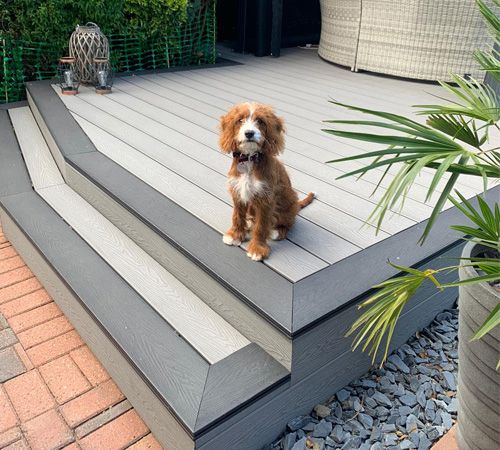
(89, 24)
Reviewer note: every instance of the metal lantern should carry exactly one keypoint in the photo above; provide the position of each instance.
(68, 80)
(104, 75)
(85, 44)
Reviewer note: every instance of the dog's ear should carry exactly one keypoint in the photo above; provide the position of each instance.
(276, 134)
(227, 136)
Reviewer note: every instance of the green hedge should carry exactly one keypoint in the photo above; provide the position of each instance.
(143, 35)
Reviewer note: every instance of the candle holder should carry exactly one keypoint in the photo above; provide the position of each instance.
(68, 80)
(104, 75)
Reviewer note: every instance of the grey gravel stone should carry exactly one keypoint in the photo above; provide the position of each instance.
(411, 423)
(318, 443)
(288, 440)
(368, 384)
(322, 411)
(299, 422)
(300, 444)
(446, 419)
(376, 434)
(369, 401)
(322, 429)
(338, 434)
(453, 406)
(388, 427)
(352, 444)
(365, 420)
(381, 399)
(432, 433)
(450, 380)
(406, 444)
(408, 399)
(390, 439)
(343, 395)
(398, 362)
(424, 443)
(377, 446)
(421, 397)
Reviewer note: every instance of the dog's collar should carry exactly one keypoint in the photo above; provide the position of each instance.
(242, 157)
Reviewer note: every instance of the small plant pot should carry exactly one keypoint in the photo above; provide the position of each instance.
(478, 380)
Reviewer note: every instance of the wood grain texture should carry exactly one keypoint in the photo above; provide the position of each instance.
(13, 174)
(232, 383)
(205, 330)
(171, 367)
(242, 317)
(160, 420)
(41, 166)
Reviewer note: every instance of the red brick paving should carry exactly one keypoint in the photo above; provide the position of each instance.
(448, 441)
(64, 385)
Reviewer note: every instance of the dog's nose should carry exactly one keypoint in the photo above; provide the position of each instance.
(249, 134)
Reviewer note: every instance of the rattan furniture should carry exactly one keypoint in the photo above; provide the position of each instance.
(424, 39)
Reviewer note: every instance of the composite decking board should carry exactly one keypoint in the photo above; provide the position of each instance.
(209, 334)
(296, 162)
(168, 363)
(402, 249)
(162, 97)
(300, 130)
(185, 231)
(289, 259)
(327, 194)
(41, 166)
(62, 127)
(13, 173)
(147, 403)
(238, 433)
(322, 243)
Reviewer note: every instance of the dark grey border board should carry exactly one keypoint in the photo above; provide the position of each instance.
(352, 278)
(287, 305)
(13, 174)
(200, 395)
(12, 105)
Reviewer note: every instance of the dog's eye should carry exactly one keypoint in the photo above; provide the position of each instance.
(259, 121)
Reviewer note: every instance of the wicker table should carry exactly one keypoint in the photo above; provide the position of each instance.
(424, 39)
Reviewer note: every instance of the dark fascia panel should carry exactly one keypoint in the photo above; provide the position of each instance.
(346, 281)
(13, 174)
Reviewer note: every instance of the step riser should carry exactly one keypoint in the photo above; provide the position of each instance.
(164, 426)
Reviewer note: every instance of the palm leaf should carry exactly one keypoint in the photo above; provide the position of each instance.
(491, 322)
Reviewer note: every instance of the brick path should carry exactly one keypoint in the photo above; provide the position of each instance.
(53, 392)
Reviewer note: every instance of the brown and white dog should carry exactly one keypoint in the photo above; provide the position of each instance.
(265, 204)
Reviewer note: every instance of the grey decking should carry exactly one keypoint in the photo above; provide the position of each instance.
(163, 128)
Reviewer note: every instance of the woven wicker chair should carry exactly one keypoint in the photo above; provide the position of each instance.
(424, 39)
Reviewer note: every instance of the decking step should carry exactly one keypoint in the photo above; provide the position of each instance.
(177, 349)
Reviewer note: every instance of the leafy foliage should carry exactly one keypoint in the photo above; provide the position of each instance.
(454, 141)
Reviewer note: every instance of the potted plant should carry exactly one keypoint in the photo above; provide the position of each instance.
(453, 142)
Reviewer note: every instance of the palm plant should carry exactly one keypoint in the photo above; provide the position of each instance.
(453, 142)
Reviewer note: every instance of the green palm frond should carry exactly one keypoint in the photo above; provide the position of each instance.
(378, 323)
(474, 100)
(491, 322)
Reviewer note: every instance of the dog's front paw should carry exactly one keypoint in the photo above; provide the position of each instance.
(257, 251)
(229, 240)
(233, 237)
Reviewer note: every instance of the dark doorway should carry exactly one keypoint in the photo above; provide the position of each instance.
(246, 25)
